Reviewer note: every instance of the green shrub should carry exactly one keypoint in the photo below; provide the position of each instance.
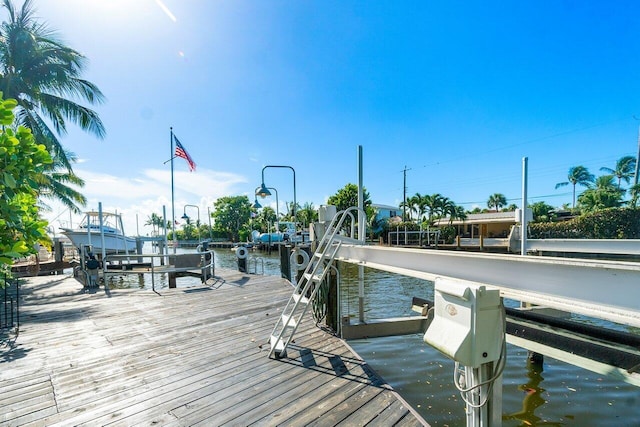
(613, 223)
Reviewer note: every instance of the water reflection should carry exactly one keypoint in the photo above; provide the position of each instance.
(532, 395)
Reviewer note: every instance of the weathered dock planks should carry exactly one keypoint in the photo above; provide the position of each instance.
(186, 356)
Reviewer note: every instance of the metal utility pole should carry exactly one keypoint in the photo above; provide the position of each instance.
(635, 175)
(404, 192)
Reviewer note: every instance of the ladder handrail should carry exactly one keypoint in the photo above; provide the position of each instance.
(322, 260)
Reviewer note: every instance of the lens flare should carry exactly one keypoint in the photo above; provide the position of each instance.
(166, 10)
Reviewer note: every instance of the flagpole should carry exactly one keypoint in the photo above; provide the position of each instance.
(173, 204)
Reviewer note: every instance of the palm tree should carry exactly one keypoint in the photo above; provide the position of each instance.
(604, 194)
(307, 214)
(434, 203)
(634, 191)
(625, 169)
(458, 213)
(156, 222)
(577, 175)
(496, 200)
(43, 76)
(417, 204)
(57, 184)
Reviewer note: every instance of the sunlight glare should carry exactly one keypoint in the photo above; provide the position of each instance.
(166, 10)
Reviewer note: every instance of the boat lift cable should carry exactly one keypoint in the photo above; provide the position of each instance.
(500, 365)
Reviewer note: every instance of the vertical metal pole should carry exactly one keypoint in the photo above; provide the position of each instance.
(523, 221)
(173, 204)
(361, 236)
(209, 215)
(490, 413)
(404, 194)
(635, 175)
(104, 249)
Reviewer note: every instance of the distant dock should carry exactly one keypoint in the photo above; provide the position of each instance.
(181, 356)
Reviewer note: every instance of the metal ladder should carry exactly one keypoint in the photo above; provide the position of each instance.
(309, 283)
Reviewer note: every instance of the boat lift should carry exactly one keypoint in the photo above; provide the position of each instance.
(602, 289)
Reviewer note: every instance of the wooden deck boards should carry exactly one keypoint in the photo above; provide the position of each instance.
(186, 356)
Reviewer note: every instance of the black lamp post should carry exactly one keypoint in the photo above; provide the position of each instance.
(264, 190)
(185, 216)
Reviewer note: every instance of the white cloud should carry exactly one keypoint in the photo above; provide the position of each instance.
(138, 197)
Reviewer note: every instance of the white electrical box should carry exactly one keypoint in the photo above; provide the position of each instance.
(468, 324)
(326, 213)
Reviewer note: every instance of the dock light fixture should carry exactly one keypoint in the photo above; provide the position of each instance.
(257, 205)
(264, 190)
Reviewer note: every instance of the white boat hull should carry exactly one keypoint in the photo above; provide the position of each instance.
(112, 243)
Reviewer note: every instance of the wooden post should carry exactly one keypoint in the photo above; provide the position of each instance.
(58, 253)
(242, 265)
(139, 244)
(172, 280)
(332, 319)
(285, 265)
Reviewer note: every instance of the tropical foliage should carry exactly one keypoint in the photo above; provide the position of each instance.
(232, 214)
(578, 175)
(44, 76)
(307, 214)
(432, 206)
(264, 219)
(605, 193)
(624, 170)
(542, 212)
(496, 201)
(612, 223)
(347, 197)
(156, 222)
(22, 166)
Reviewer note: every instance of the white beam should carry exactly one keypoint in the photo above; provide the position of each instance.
(600, 246)
(605, 289)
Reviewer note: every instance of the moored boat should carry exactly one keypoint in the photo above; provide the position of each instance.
(92, 232)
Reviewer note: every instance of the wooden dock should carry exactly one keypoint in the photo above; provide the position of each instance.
(186, 356)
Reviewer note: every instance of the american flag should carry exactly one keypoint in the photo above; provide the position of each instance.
(181, 152)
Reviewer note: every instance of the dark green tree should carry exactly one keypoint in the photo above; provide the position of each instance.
(232, 214)
(347, 197)
(541, 211)
(604, 194)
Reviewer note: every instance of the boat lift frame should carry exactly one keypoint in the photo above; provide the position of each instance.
(608, 290)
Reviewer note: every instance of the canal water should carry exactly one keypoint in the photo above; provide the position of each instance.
(551, 394)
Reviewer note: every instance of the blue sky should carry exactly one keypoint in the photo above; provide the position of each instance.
(458, 92)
